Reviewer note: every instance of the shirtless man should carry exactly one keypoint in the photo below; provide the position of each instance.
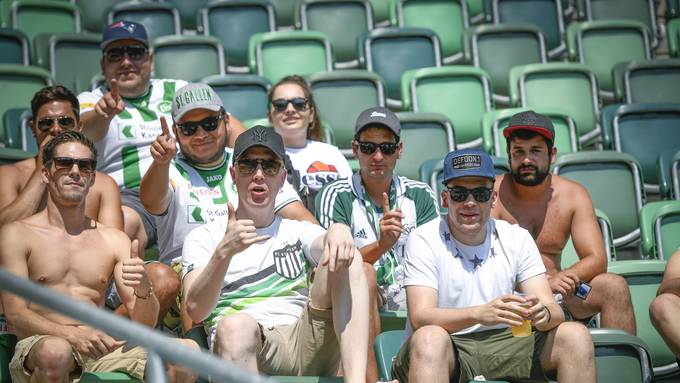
(22, 192)
(53, 347)
(665, 308)
(552, 208)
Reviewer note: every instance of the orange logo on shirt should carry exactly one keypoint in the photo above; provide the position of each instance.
(318, 166)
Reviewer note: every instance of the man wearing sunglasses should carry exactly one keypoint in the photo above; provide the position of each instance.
(248, 278)
(460, 275)
(62, 248)
(553, 208)
(380, 207)
(189, 188)
(22, 193)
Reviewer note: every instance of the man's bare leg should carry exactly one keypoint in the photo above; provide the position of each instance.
(178, 373)
(51, 360)
(569, 350)
(238, 340)
(432, 356)
(373, 322)
(664, 312)
(134, 228)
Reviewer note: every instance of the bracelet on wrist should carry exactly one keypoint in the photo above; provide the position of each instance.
(148, 294)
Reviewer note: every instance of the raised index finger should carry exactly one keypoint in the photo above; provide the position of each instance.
(386, 202)
(114, 89)
(164, 127)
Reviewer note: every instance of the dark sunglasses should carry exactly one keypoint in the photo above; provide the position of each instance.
(44, 124)
(299, 103)
(248, 166)
(460, 194)
(85, 165)
(387, 148)
(208, 124)
(134, 52)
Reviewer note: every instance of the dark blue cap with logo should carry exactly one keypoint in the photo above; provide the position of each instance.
(468, 163)
(124, 30)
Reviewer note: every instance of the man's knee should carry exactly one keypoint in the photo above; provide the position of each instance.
(661, 307)
(611, 284)
(573, 338)
(164, 279)
(237, 330)
(431, 343)
(53, 354)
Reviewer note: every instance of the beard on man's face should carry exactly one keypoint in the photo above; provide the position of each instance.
(529, 179)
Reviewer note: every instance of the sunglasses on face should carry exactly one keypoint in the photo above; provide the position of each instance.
(248, 166)
(299, 103)
(208, 124)
(460, 194)
(85, 165)
(44, 124)
(134, 52)
(387, 148)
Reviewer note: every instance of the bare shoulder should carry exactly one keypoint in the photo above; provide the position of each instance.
(16, 174)
(112, 235)
(105, 184)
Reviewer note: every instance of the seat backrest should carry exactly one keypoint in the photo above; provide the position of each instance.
(14, 47)
(74, 59)
(188, 11)
(544, 14)
(660, 228)
(159, 19)
(571, 88)
(34, 17)
(94, 13)
(601, 173)
(644, 278)
(12, 126)
(652, 81)
(485, 45)
(461, 93)
(447, 18)
(643, 11)
(344, 21)
(390, 52)
(233, 23)
(620, 357)
(24, 81)
(603, 44)
(424, 136)
(645, 130)
(673, 36)
(668, 169)
(386, 347)
(285, 12)
(274, 55)
(569, 255)
(341, 96)
(28, 142)
(187, 58)
(244, 96)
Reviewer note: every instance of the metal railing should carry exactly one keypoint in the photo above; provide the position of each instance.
(159, 347)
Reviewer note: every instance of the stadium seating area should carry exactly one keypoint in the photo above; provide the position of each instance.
(607, 72)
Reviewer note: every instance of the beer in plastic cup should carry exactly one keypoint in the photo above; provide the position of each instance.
(525, 328)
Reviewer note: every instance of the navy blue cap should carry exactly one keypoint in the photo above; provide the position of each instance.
(124, 30)
(468, 163)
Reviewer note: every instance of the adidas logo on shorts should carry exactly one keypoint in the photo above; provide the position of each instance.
(361, 234)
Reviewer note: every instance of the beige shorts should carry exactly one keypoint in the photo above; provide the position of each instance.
(131, 360)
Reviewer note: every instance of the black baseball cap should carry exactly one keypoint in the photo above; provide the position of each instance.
(124, 30)
(258, 135)
(378, 116)
(532, 121)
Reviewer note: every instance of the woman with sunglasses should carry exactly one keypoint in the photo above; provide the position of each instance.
(294, 116)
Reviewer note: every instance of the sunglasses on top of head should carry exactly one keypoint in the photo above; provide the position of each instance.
(460, 194)
(85, 165)
(134, 52)
(387, 148)
(247, 166)
(44, 124)
(299, 103)
(208, 124)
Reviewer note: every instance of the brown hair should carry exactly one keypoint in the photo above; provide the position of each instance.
(54, 93)
(63, 138)
(314, 129)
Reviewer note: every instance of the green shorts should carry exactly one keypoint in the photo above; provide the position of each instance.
(494, 354)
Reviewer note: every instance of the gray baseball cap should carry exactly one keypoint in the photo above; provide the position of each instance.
(194, 96)
(378, 116)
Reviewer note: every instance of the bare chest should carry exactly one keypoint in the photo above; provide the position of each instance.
(548, 222)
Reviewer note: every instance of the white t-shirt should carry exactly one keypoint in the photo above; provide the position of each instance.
(268, 280)
(318, 164)
(467, 276)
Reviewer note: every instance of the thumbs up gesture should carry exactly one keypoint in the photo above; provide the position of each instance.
(134, 273)
(111, 103)
(163, 149)
(240, 234)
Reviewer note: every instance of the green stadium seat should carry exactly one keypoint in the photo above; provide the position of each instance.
(188, 11)
(569, 255)
(660, 228)
(341, 96)
(7, 342)
(28, 143)
(343, 21)
(668, 170)
(107, 377)
(327, 135)
(12, 124)
(393, 320)
(285, 12)
(515, 44)
(461, 93)
(243, 95)
(386, 347)
(476, 14)
(606, 122)
(425, 136)
(672, 9)
(24, 81)
(233, 22)
(93, 13)
(11, 155)
(72, 59)
(159, 19)
(603, 44)
(447, 18)
(672, 37)
(390, 52)
(644, 278)
(14, 47)
(274, 55)
(495, 121)
(643, 11)
(308, 379)
(644, 130)
(602, 173)
(381, 12)
(620, 357)
(201, 56)
(571, 88)
(544, 14)
(650, 81)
